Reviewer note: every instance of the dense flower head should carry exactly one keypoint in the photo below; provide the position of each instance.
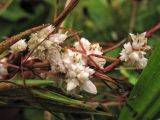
(39, 43)
(19, 46)
(78, 74)
(55, 59)
(92, 48)
(133, 52)
(45, 45)
(43, 42)
(74, 65)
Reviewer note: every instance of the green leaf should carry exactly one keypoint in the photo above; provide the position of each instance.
(144, 100)
(29, 82)
(132, 76)
(33, 82)
(81, 106)
(45, 100)
(59, 98)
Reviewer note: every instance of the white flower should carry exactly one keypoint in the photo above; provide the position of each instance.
(55, 58)
(19, 46)
(80, 78)
(3, 69)
(48, 48)
(86, 44)
(137, 59)
(55, 54)
(70, 57)
(142, 63)
(38, 43)
(72, 84)
(89, 87)
(73, 64)
(77, 73)
(139, 41)
(91, 49)
(42, 34)
(126, 51)
(133, 52)
(57, 38)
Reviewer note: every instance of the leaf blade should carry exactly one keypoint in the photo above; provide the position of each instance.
(146, 91)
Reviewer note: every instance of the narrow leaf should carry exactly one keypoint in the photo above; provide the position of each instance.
(144, 101)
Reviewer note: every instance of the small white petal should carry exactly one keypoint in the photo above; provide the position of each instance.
(57, 38)
(45, 32)
(89, 87)
(133, 36)
(19, 46)
(142, 63)
(128, 47)
(71, 74)
(134, 56)
(79, 68)
(83, 76)
(71, 84)
(89, 70)
(123, 55)
(143, 35)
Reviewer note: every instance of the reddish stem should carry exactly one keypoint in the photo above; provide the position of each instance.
(151, 31)
(103, 76)
(112, 65)
(81, 45)
(94, 63)
(10, 65)
(75, 50)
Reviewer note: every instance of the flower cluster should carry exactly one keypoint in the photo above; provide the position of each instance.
(73, 63)
(91, 48)
(45, 45)
(133, 52)
(77, 74)
(39, 43)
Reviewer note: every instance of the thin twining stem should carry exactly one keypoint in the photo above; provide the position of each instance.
(152, 30)
(55, 10)
(104, 76)
(112, 65)
(115, 46)
(10, 41)
(11, 65)
(127, 68)
(72, 4)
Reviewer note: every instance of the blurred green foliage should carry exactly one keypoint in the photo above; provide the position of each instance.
(24, 14)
